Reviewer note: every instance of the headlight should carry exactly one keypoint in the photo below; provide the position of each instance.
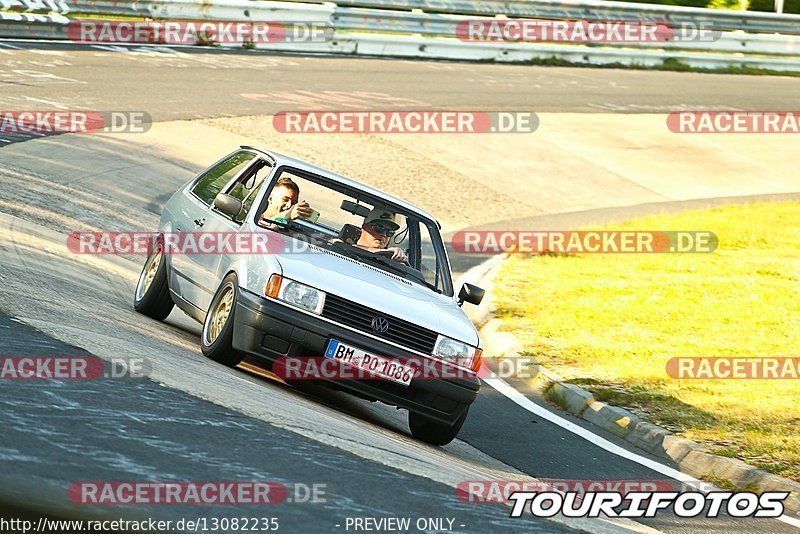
(456, 352)
(302, 296)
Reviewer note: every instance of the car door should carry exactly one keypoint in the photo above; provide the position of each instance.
(211, 268)
(187, 276)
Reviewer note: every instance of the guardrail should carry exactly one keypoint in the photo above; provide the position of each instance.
(394, 32)
(719, 19)
(23, 25)
(438, 25)
(233, 10)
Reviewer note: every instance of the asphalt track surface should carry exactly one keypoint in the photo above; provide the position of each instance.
(191, 419)
(156, 423)
(184, 83)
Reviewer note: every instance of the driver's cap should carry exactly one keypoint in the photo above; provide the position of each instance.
(383, 216)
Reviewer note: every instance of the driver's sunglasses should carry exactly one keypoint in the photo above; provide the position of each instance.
(385, 230)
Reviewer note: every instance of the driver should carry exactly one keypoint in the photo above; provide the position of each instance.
(282, 202)
(378, 227)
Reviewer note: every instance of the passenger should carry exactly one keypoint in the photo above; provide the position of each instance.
(283, 203)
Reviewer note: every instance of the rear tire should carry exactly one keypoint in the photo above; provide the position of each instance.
(151, 296)
(434, 432)
(216, 340)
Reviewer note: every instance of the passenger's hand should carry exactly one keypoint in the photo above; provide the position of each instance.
(301, 210)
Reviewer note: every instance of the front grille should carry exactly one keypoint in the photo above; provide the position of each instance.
(360, 317)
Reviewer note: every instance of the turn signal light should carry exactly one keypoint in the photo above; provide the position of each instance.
(273, 286)
(477, 359)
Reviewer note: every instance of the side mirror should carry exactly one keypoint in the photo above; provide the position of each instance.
(470, 293)
(228, 205)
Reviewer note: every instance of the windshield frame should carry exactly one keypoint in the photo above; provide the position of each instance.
(361, 195)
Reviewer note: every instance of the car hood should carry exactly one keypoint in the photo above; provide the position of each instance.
(379, 290)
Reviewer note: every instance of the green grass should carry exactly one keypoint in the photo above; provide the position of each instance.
(789, 6)
(610, 323)
(669, 65)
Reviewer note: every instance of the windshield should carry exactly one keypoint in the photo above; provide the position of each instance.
(353, 223)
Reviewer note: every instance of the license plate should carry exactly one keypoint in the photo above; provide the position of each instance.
(372, 364)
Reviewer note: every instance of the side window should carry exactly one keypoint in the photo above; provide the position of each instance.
(212, 182)
(246, 188)
(430, 263)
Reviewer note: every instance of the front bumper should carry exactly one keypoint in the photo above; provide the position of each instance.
(271, 330)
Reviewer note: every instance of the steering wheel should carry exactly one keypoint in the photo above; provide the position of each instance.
(389, 254)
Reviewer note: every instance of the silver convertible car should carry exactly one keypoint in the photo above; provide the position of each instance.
(349, 276)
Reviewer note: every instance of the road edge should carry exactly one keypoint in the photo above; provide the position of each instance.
(690, 457)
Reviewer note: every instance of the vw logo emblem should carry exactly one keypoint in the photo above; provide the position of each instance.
(380, 324)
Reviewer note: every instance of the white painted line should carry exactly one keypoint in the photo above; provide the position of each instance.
(10, 46)
(518, 398)
(48, 102)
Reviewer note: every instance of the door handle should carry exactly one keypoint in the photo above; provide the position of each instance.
(199, 222)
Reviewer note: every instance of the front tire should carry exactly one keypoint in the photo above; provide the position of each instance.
(434, 432)
(216, 340)
(151, 296)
